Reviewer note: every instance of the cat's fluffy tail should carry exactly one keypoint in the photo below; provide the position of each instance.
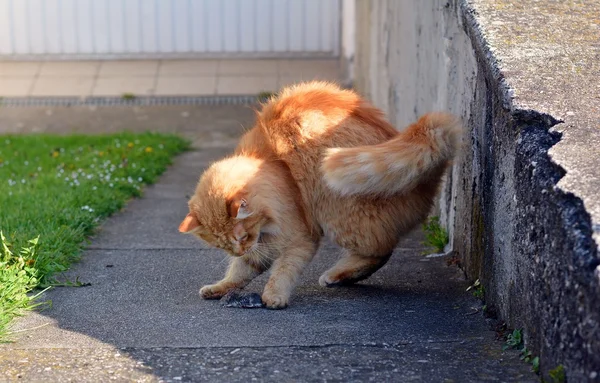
(397, 165)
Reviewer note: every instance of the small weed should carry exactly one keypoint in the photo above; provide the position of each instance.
(18, 277)
(514, 340)
(526, 355)
(535, 364)
(128, 96)
(478, 290)
(435, 235)
(558, 374)
(264, 96)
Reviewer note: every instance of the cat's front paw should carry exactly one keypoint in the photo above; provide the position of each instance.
(213, 291)
(275, 301)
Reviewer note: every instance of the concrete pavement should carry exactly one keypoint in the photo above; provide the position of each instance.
(143, 320)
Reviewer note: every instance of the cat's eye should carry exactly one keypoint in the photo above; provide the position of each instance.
(244, 237)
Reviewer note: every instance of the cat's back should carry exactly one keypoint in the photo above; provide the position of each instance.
(309, 117)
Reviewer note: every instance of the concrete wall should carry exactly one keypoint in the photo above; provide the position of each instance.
(348, 39)
(529, 242)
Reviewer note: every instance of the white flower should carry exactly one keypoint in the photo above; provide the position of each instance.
(110, 184)
(26, 162)
(94, 188)
(39, 168)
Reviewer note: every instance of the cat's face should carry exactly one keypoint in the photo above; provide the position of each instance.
(233, 228)
(224, 210)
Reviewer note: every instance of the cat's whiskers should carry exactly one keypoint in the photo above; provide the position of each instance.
(264, 255)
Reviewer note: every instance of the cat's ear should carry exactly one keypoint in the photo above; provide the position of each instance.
(238, 208)
(189, 223)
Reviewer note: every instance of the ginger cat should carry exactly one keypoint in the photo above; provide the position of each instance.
(319, 161)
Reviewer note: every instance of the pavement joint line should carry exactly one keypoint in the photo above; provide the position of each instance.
(314, 346)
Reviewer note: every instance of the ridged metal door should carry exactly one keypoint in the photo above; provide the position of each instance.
(168, 28)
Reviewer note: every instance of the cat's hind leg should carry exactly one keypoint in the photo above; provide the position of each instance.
(352, 268)
(241, 271)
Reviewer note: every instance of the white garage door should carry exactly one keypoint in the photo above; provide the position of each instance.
(168, 28)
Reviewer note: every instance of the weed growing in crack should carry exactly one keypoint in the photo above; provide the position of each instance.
(436, 236)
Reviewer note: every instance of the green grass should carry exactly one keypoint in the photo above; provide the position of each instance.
(435, 235)
(54, 190)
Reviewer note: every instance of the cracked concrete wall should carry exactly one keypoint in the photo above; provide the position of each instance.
(529, 242)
